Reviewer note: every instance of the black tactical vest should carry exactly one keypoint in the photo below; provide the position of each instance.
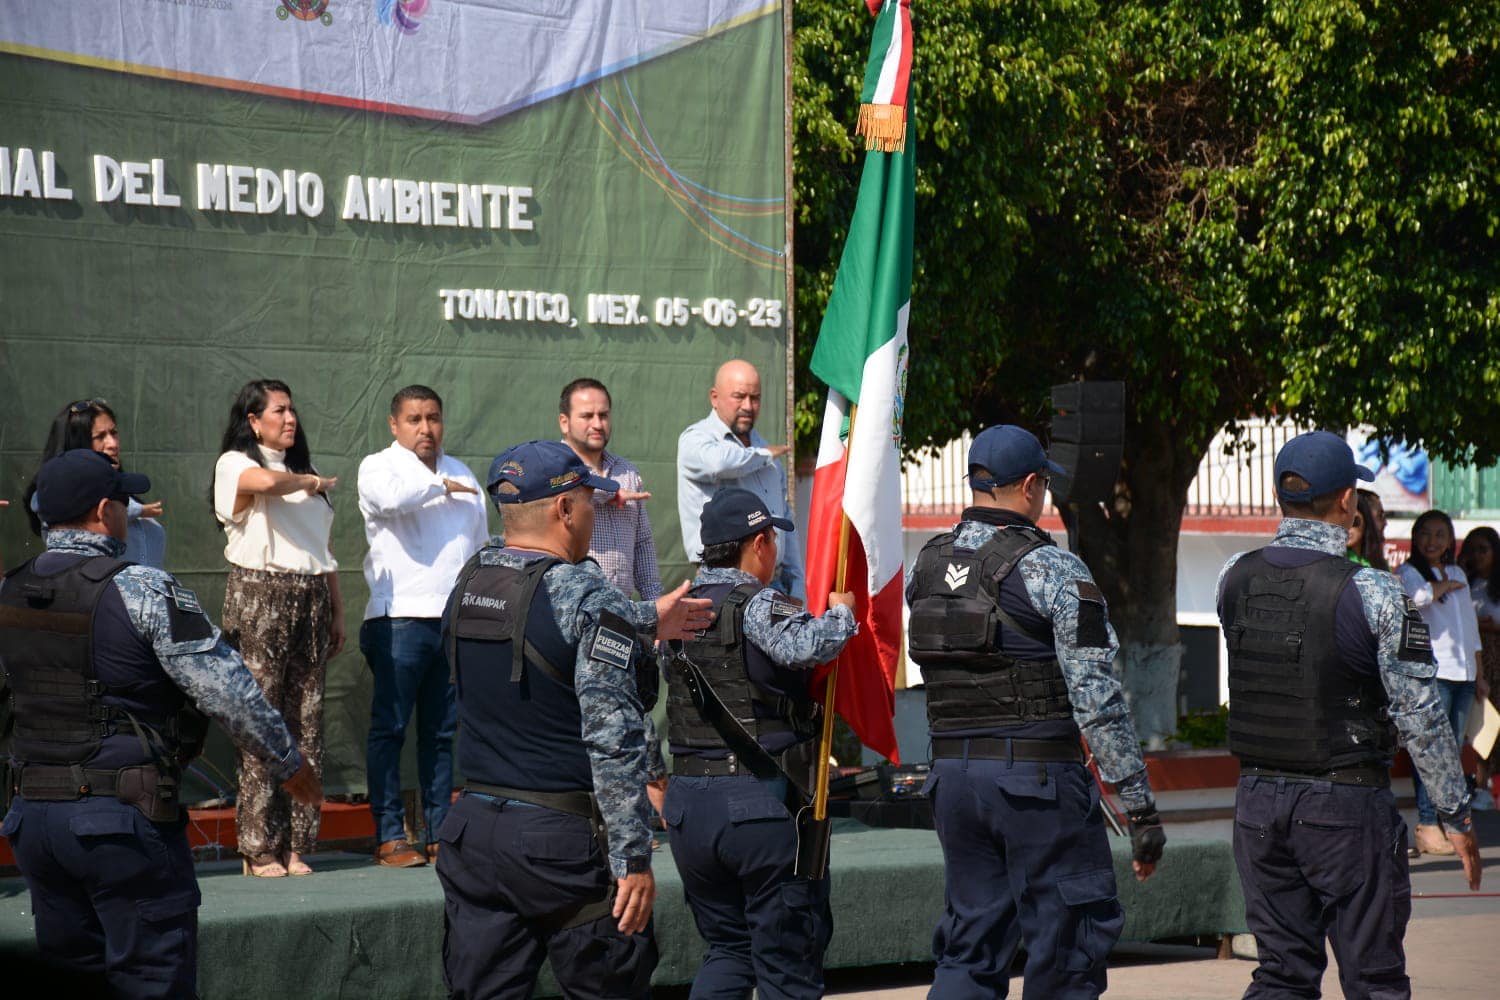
(1293, 703)
(776, 720)
(955, 635)
(513, 672)
(61, 713)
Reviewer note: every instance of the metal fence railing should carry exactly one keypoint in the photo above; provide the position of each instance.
(1237, 484)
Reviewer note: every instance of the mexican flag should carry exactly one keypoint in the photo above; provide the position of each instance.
(862, 355)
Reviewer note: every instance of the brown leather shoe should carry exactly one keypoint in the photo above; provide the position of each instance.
(432, 850)
(398, 854)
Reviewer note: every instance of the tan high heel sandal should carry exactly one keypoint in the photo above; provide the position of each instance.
(263, 866)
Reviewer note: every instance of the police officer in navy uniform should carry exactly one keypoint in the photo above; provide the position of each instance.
(1328, 663)
(1016, 648)
(738, 689)
(547, 853)
(107, 666)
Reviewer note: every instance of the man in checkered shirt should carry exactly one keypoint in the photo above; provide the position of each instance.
(622, 543)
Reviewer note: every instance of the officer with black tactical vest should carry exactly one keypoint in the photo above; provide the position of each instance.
(743, 731)
(1328, 663)
(107, 666)
(547, 854)
(1016, 648)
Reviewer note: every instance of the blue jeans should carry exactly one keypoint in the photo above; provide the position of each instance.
(406, 657)
(1457, 697)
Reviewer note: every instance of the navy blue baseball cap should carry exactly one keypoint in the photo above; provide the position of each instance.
(1009, 453)
(541, 469)
(1325, 460)
(734, 513)
(70, 484)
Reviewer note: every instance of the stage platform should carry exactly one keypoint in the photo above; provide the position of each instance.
(355, 930)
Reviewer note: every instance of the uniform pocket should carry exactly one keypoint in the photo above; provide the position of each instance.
(12, 821)
(1027, 781)
(751, 810)
(451, 831)
(102, 824)
(672, 811)
(1094, 920)
(169, 908)
(556, 846)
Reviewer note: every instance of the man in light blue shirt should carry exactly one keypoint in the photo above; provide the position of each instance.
(724, 449)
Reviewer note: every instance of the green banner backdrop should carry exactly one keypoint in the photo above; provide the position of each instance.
(608, 202)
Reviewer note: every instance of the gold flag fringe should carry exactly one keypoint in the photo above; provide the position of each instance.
(883, 126)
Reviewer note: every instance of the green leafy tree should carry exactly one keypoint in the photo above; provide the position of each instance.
(1240, 209)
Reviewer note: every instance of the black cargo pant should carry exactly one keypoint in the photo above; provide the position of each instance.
(1323, 862)
(508, 869)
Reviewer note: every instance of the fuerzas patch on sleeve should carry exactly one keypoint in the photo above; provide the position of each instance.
(614, 642)
(1416, 637)
(1092, 630)
(783, 609)
(185, 600)
(185, 616)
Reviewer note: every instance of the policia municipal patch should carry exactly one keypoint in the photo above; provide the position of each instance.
(1416, 637)
(783, 609)
(185, 615)
(614, 641)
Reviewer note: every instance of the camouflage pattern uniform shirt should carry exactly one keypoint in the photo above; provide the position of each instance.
(206, 669)
(790, 636)
(618, 732)
(1414, 704)
(1056, 581)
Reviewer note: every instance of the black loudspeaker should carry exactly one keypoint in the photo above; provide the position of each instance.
(1088, 439)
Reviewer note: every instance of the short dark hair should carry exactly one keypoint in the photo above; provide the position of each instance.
(565, 402)
(414, 392)
(723, 555)
(1315, 509)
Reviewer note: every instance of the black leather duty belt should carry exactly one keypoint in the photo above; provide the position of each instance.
(1365, 775)
(61, 783)
(1002, 748)
(693, 766)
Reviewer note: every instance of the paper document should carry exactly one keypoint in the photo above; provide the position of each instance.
(1483, 728)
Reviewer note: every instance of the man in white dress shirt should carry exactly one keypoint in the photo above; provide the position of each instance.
(725, 449)
(424, 517)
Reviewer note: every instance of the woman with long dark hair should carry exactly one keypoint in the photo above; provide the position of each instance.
(1367, 534)
(90, 423)
(282, 606)
(1480, 559)
(1440, 591)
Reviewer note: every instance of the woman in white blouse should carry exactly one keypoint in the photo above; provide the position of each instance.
(282, 607)
(1440, 590)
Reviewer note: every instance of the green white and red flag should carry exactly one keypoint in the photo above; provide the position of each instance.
(862, 356)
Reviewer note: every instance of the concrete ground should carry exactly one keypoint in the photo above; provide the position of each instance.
(1452, 942)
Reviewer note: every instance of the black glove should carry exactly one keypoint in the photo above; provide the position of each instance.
(1147, 838)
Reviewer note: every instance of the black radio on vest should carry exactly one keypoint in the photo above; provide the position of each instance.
(955, 633)
(1293, 703)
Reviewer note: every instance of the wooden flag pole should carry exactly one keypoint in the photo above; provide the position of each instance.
(825, 742)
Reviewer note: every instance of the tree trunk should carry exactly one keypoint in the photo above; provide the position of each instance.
(1130, 544)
